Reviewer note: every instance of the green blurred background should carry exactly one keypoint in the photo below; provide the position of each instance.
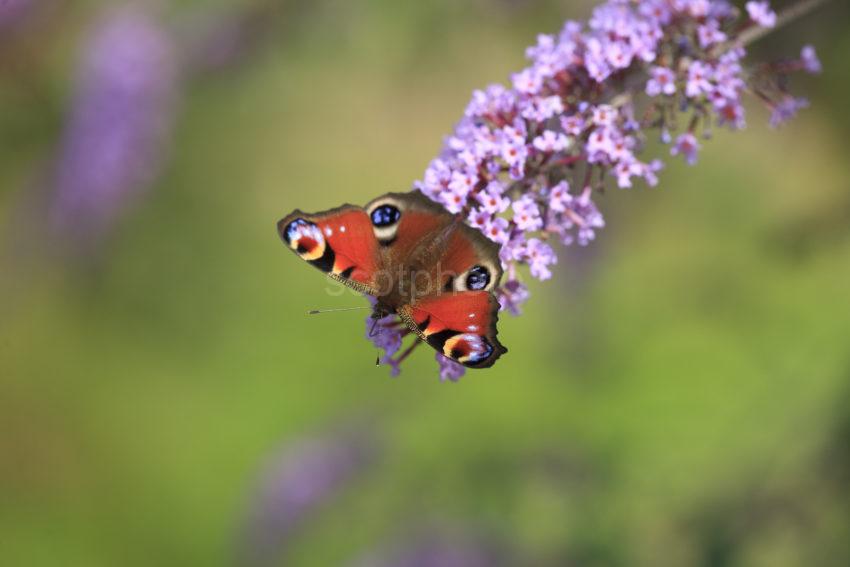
(675, 395)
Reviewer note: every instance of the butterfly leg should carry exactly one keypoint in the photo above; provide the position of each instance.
(375, 319)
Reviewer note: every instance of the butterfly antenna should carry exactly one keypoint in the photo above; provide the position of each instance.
(317, 311)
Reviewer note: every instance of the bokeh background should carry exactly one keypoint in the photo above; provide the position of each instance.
(676, 395)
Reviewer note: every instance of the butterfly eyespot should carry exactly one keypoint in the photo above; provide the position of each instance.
(305, 238)
(477, 278)
(385, 215)
(385, 221)
(467, 348)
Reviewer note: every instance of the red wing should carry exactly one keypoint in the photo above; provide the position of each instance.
(420, 219)
(468, 247)
(467, 260)
(339, 242)
(462, 326)
(413, 227)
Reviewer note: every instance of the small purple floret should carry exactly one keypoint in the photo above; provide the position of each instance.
(811, 63)
(786, 109)
(449, 369)
(761, 13)
(687, 146)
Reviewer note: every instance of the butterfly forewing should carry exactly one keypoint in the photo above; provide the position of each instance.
(340, 242)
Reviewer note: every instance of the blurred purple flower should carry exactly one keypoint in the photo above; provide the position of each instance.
(120, 120)
(761, 13)
(687, 146)
(811, 63)
(786, 109)
(13, 12)
(299, 481)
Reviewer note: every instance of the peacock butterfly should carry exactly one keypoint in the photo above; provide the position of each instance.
(418, 261)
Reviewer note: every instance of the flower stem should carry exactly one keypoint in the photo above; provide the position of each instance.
(785, 17)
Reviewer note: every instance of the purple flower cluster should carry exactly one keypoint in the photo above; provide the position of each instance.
(525, 162)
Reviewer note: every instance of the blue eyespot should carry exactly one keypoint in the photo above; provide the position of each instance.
(294, 229)
(482, 351)
(477, 278)
(468, 348)
(385, 215)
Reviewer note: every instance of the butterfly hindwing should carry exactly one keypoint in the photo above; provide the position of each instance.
(340, 242)
(473, 259)
(459, 325)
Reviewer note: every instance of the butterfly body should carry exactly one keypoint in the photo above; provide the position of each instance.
(418, 261)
